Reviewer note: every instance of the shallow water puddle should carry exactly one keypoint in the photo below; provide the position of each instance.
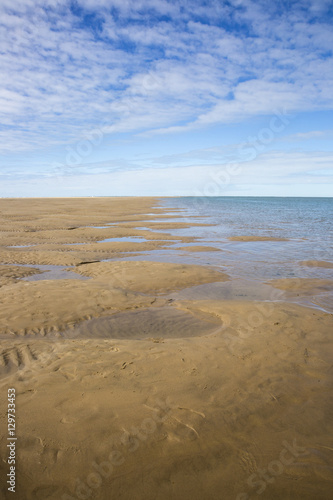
(230, 290)
(50, 273)
(323, 302)
(20, 246)
(130, 239)
(124, 239)
(158, 322)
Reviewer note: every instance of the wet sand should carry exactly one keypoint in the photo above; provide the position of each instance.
(199, 248)
(138, 381)
(318, 263)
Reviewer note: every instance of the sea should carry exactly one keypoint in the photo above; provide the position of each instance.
(302, 226)
(305, 223)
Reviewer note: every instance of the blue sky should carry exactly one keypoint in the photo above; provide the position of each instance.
(166, 97)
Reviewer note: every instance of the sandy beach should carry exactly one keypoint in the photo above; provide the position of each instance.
(135, 380)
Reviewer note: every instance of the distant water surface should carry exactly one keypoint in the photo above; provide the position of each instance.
(306, 222)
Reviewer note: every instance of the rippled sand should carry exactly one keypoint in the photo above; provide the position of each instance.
(137, 380)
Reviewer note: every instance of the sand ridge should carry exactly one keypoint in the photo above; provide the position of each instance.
(151, 277)
(11, 274)
(62, 232)
(303, 286)
(317, 263)
(199, 248)
(48, 307)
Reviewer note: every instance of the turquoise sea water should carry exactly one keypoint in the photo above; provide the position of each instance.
(282, 217)
(305, 222)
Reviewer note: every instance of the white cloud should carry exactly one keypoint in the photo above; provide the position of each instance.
(273, 173)
(60, 75)
(313, 134)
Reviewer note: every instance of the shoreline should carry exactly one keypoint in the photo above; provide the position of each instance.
(157, 380)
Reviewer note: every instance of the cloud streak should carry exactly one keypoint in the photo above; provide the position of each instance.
(155, 66)
(298, 174)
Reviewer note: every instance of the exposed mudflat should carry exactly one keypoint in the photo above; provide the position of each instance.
(156, 380)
